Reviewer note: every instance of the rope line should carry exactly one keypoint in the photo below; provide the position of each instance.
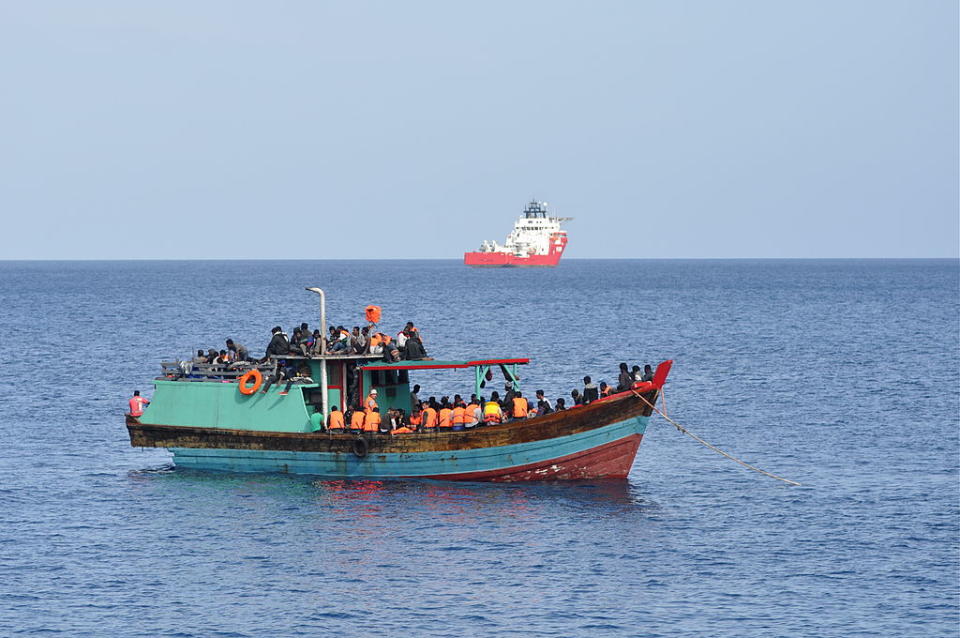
(709, 445)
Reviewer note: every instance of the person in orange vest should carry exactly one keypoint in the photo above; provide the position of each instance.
(416, 418)
(459, 416)
(371, 420)
(429, 418)
(472, 413)
(371, 401)
(335, 420)
(137, 403)
(519, 406)
(446, 414)
(356, 419)
(492, 414)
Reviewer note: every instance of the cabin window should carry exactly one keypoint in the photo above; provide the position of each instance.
(334, 374)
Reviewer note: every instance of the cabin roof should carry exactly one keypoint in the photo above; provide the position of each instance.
(433, 365)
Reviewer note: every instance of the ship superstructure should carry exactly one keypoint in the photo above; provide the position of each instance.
(536, 240)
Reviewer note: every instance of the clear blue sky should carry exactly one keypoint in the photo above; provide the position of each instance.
(222, 129)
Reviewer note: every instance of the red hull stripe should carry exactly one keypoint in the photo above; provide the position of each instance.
(610, 460)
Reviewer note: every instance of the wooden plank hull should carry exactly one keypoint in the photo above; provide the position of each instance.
(595, 441)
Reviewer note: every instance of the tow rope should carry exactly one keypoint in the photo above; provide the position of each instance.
(705, 443)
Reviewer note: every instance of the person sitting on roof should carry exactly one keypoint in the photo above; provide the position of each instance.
(295, 337)
(590, 392)
(212, 355)
(520, 407)
(240, 352)
(339, 341)
(625, 380)
(371, 421)
(200, 358)
(316, 342)
(413, 348)
(358, 340)
(401, 338)
(279, 344)
(492, 413)
(391, 354)
(335, 422)
(376, 343)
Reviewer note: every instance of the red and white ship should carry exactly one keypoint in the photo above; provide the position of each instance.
(536, 240)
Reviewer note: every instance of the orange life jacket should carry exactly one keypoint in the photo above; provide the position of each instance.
(371, 422)
(445, 418)
(356, 420)
(416, 419)
(491, 412)
(519, 407)
(336, 420)
(370, 404)
(470, 415)
(372, 313)
(431, 418)
(375, 341)
(459, 415)
(403, 430)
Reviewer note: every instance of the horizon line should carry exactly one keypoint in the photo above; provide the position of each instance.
(331, 259)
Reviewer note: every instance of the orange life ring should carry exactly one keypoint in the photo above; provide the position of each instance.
(254, 374)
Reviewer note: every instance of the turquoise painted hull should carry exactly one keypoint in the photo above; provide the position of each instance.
(613, 445)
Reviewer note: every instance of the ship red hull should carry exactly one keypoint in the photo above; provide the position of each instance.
(609, 461)
(508, 260)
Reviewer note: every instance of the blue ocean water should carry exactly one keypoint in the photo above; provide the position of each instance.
(843, 375)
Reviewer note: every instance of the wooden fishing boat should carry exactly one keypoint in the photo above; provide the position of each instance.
(203, 418)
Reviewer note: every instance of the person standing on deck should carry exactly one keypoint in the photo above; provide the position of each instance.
(371, 401)
(137, 403)
(414, 398)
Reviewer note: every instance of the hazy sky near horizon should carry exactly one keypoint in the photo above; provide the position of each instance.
(230, 129)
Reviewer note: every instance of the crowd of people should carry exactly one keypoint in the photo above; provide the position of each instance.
(459, 413)
(405, 345)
